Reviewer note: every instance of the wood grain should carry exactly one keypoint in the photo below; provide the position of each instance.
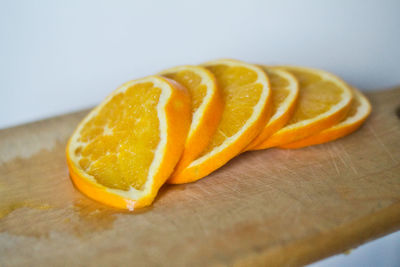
(272, 207)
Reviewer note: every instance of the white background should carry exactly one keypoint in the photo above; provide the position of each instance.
(62, 56)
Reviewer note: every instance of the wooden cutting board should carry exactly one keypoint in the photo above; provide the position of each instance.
(272, 207)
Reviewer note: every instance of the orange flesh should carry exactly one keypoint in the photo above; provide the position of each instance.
(192, 82)
(123, 134)
(279, 91)
(240, 94)
(312, 100)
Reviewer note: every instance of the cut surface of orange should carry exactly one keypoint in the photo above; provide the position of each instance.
(324, 100)
(285, 89)
(246, 94)
(359, 110)
(207, 106)
(126, 148)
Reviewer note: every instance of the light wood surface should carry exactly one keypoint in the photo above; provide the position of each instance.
(272, 207)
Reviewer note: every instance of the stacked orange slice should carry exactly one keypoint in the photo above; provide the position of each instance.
(246, 95)
(189, 121)
(285, 90)
(359, 111)
(324, 100)
(207, 106)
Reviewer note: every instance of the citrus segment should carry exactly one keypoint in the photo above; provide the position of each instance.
(323, 101)
(207, 106)
(246, 94)
(359, 110)
(285, 91)
(125, 149)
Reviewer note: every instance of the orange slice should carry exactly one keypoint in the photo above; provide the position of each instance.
(246, 93)
(285, 89)
(207, 105)
(324, 100)
(359, 111)
(126, 148)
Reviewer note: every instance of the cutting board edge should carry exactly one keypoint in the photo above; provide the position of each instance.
(341, 239)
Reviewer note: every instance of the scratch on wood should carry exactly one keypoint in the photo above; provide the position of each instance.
(285, 168)
(345, 158)
(285, 193)
(349, 160)
(331, 154)
(234, 187)
(339, 153)
(378, 139)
